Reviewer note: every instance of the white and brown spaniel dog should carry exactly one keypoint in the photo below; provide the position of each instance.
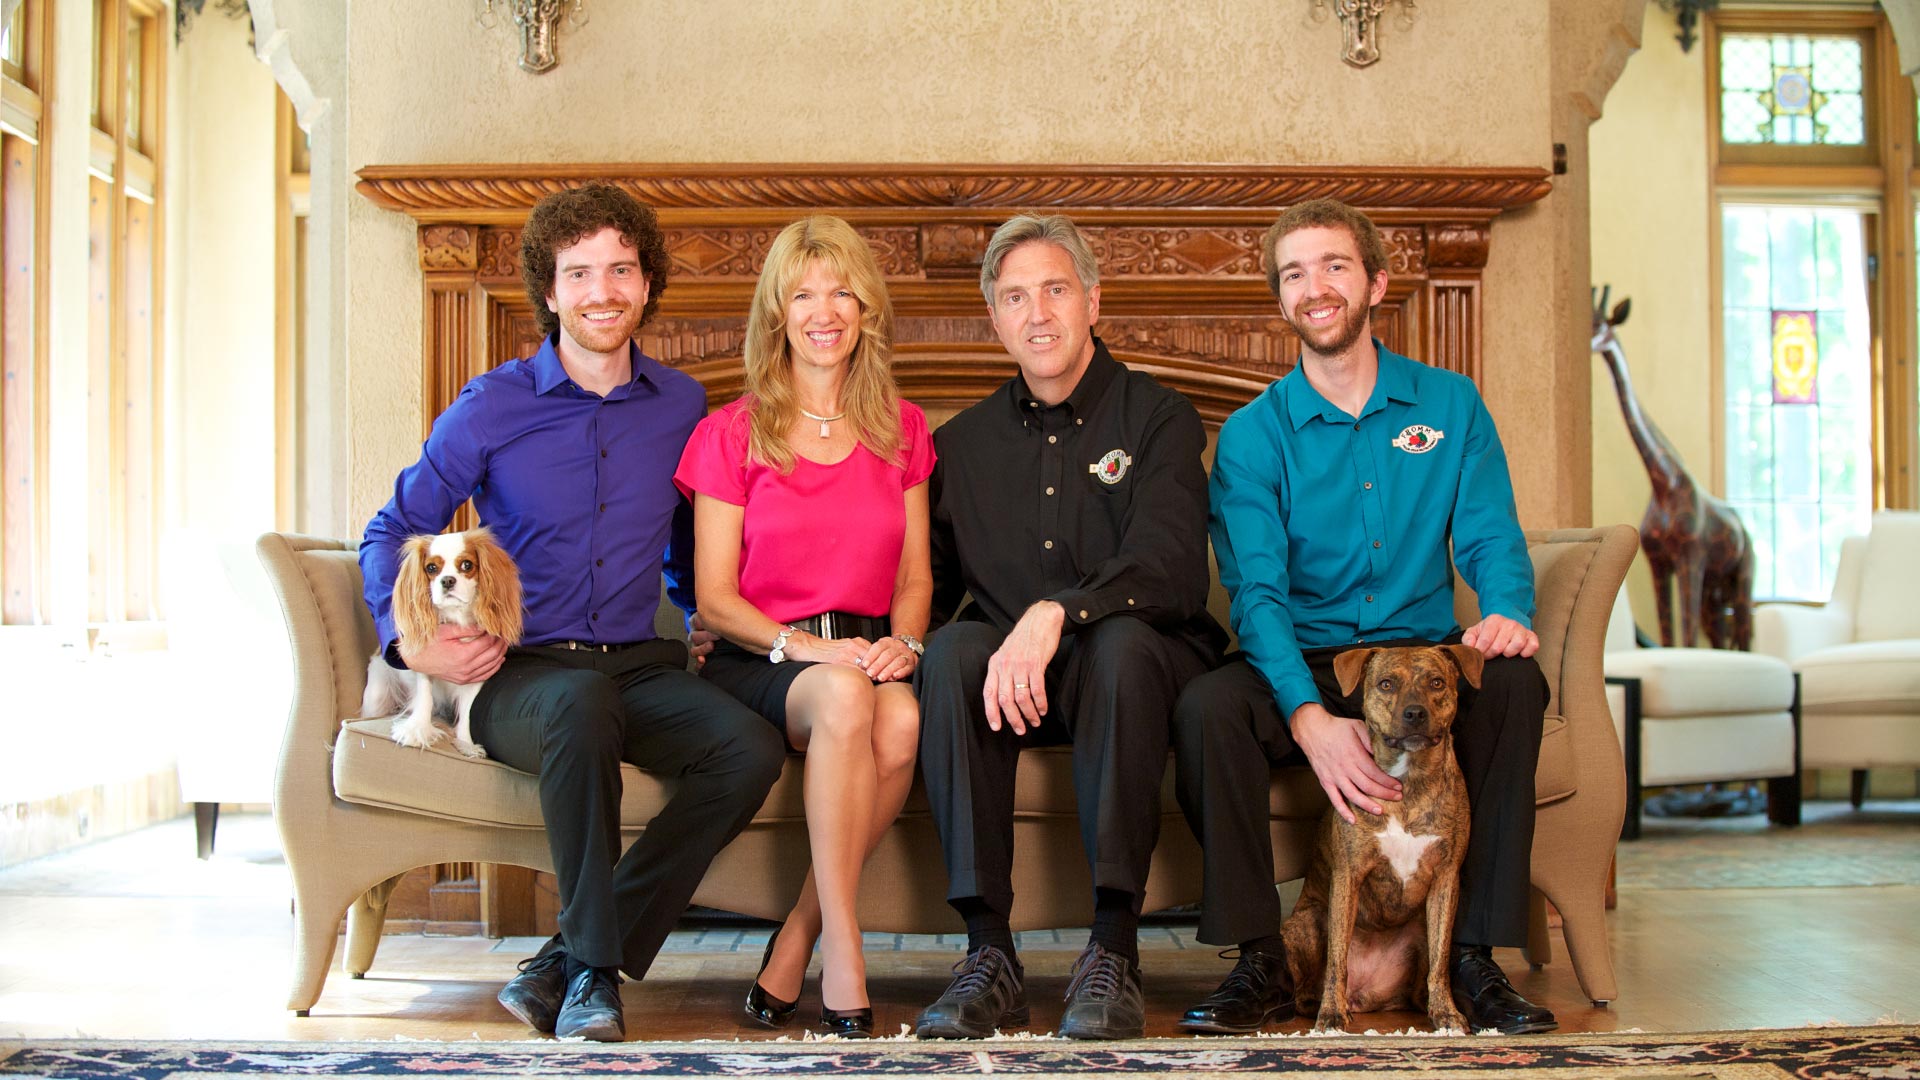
(463, 579)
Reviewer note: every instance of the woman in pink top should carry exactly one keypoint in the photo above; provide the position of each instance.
(811, 563)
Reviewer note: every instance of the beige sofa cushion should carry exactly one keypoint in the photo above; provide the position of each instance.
(1697, 682)
(371, 769)
(1727, 747)
(1882, 676)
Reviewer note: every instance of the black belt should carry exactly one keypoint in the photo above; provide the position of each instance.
(839, 624)
(597, 646)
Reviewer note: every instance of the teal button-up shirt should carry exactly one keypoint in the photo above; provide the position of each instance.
(1331, 530)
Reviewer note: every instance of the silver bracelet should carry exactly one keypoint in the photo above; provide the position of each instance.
(911, 642)
(779, 651)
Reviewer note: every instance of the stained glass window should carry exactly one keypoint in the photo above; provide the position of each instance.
(1799, 389)
(1793, 89)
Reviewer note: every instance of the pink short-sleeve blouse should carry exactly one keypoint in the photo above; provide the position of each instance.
(818, 538)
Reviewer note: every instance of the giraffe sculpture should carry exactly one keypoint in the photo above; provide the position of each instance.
(1689, 536)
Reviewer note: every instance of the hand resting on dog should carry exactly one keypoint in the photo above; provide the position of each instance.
(459, 654)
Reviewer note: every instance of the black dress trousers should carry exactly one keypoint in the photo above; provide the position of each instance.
(1228, 733)
(1110, 692)
(571, 717)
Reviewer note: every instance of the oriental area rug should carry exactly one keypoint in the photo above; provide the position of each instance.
(1870, 1053)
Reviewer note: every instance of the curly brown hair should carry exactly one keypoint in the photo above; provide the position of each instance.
(1325, 213)
(565, 218)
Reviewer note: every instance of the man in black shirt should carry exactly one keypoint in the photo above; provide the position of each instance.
(1072, 505)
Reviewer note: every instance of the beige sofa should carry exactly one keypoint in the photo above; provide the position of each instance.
(357, 811)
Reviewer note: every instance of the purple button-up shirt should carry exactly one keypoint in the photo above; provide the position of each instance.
(578, 488)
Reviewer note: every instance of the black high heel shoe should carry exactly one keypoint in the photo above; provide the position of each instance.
(764, 1008)
(847, 1023)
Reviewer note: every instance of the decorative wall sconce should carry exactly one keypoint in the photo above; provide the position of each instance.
(539, 22)
(1361, 19)
(1688, 12)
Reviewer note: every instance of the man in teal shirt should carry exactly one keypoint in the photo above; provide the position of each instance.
(1338, 496)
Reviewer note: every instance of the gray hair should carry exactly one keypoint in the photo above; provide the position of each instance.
(1056, 229)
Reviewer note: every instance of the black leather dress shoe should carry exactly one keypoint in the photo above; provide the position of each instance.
(986, 993)
(1483, 993)
(762, 1007)
(534, 995)
(1254, 994)
(847, 1023)
(1103, 997)
(592, 1006)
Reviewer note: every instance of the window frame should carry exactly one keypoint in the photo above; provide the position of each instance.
(1881, 181)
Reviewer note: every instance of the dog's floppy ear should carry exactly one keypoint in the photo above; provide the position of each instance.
(497, 601)
(413, 613)
(1469, 660)
(1350, 667)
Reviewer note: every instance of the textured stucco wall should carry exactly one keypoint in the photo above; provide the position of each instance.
(1650, 220)
(1239, 81)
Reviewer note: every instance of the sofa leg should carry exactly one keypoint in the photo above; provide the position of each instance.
(316, 929)
(1783, 800)
(365, 919)
(1630, 752)
(1583, 924)
(1539, 935)
(206, 819)
(1783, 792)
(1859, 794)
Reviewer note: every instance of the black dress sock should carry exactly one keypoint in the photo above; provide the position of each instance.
(986, 926)
(1268, 945)
(1116, 927)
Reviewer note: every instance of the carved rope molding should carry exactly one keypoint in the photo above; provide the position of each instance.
(501, 194)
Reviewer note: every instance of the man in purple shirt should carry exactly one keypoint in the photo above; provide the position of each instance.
(569, 458)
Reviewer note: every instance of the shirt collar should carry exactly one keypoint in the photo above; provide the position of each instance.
(549, 372)
(1392, 381)
(1100, 373)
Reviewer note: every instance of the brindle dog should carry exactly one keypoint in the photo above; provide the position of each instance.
(1374, 922)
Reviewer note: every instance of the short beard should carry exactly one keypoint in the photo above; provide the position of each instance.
(586, 335)
(1347, 332)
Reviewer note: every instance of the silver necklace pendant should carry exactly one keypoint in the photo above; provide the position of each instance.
(824, 421)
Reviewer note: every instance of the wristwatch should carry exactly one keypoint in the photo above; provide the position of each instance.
(911, 642)
(779, 650)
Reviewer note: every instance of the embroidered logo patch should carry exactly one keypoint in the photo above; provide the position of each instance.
(1418, 438)
(1111, 466)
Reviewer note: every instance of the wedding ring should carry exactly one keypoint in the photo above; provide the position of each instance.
(1019, 686)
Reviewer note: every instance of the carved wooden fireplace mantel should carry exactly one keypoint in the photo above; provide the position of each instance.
(1183, 293)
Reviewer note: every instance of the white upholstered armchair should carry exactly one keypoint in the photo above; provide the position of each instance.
(1858, 657)
(1691, 716)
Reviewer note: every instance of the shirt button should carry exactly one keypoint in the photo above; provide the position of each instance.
(1129, 601)
(1376, 543)
(603, 453)
(1077, 422)
(1033, 404)
(603, 509)
(1053, 438)
(1083, 613)
(599, 562)
(1369, 599)
(596, 616)
(1048, 545)
(1368, 485)
(1049, 491)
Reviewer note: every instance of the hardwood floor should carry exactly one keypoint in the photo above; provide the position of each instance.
(134, 938)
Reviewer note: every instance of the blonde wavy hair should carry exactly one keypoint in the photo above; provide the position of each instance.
(870, 400)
